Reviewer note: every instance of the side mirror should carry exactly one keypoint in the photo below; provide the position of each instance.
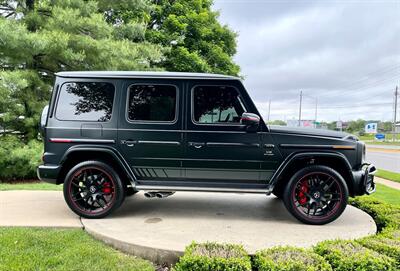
(251, 121)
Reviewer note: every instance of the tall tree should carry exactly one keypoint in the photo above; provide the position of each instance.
(199, 43)
(41, 37)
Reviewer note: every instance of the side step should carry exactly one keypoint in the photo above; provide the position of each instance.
(204, 189)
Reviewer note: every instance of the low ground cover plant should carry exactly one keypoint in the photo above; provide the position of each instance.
(289, 259)
(350, 255)
(214, 257)
(384, 245)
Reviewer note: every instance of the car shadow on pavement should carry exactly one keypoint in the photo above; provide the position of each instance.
(207, 206)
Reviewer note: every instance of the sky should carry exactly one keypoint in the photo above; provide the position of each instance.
(343, 55)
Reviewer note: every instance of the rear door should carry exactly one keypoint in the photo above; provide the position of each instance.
(150, 129)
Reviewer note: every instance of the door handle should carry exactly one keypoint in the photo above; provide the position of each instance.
(197, 145)
(129, 143)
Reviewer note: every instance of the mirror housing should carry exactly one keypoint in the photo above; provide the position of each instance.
(250, 121)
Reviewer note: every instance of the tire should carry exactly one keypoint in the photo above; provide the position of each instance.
(93, 189)
(316, 195)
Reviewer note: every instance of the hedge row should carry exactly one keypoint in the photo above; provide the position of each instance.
(17, 159)
(379, 252)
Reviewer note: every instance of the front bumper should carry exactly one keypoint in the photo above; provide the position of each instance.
(364, 180)
(48, 173)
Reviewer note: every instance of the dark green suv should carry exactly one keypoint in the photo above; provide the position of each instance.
(109, 135)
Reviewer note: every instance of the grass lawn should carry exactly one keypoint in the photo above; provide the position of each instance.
(30, 186)
(387, 194)
(389, 175)
(55, 249)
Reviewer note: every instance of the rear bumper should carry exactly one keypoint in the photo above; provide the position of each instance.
(364, 179)
(48, 173)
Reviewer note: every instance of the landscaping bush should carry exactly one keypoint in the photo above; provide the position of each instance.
(17, 159)
(214, 257)
(386, 216)
(349, 255)
(383, 245)
(289, 259)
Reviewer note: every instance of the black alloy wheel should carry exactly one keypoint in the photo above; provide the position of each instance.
(92, 189)
(316, 195)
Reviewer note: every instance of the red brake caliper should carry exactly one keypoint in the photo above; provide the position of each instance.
(304, 188)
(107, 188)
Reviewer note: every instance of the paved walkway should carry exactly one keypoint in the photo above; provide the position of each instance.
(391, 184)
(159, 229)
(36, 209)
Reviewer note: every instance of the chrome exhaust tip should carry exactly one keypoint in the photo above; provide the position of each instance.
(161, 195)
(150, 194)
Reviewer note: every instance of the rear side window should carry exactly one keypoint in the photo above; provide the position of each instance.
(217, 105)
(152, 103)
(86, 101)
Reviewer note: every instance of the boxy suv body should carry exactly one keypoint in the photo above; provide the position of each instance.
(111, 134)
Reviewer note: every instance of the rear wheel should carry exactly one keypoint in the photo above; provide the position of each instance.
(316, 195)
(92, 189)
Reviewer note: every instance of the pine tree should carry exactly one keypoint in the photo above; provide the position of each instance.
(41, 37)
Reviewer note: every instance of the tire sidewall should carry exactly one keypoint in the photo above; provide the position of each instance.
(118, 188)
(290, 204)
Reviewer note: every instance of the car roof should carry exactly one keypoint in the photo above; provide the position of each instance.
(143, 74)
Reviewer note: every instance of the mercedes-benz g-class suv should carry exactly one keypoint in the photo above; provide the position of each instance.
(108, 135)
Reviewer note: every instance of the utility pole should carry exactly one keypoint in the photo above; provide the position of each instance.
(396, 94)
(269, 110)
(316, 112)
(301, 100)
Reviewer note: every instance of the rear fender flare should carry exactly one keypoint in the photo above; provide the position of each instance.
(103, 149)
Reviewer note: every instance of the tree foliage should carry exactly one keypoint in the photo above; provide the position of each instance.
(199, 43)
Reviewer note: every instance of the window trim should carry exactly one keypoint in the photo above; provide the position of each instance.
(128, 93)
(94, 121)
(214, 124)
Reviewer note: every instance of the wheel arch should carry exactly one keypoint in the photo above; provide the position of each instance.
(109, 155)
(296, 161)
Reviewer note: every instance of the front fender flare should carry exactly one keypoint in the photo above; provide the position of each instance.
(301, 155)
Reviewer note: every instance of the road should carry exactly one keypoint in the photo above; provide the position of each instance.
(384, 158)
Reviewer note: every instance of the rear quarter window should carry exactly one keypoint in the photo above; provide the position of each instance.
(85, 101)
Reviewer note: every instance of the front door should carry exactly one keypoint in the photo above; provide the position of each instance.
(150, 129)
(218, 149)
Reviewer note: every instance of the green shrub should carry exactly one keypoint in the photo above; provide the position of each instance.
(17, 159)
(385, 215)
(349, 255)
(289, 259)
(383, 245)
(214, 257)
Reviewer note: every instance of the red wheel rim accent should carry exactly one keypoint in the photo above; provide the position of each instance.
(92, 190)
(317, 196)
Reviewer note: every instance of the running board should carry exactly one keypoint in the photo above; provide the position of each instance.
(204, 189)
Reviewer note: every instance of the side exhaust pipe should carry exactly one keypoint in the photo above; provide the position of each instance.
(161, 195)
(150, 194)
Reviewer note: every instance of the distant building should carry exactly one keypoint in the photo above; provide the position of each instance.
(397, 129)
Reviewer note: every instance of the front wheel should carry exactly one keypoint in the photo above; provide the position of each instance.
(316, 195)
(93, 189)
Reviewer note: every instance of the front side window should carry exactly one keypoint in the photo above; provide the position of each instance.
(217, 104)
(152, 103)
(86, 101)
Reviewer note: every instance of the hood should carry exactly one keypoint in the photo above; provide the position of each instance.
(310, 131)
